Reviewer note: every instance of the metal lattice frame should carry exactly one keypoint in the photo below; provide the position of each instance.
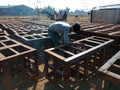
(64, 62)
(16, 57)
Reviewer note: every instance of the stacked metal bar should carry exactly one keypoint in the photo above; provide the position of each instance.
(18, 62)
(34, 35)
(102, 29)
(71, 64)
(23, 29)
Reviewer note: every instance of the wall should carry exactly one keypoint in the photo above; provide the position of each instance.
(106, 16)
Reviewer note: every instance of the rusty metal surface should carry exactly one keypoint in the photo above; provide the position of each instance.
(65, 61)
(12, 48)
(82, 60)
(32, 34)
(89, 44)
(111, 69)
(16, 57)
(101, 29)
(24, 29)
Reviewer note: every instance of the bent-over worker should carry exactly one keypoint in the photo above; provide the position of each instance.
(60, 30)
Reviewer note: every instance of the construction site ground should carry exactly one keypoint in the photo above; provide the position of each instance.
(41, 83)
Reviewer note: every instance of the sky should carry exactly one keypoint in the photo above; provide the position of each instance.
(61, 4)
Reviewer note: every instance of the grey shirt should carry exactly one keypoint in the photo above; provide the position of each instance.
(62, 28)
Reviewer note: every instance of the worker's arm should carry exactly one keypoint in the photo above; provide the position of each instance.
(66, 37)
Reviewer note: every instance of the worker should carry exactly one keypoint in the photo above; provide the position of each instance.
(65, 16)
(60, 31)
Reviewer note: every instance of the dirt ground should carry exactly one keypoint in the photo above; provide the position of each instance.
(93, 84)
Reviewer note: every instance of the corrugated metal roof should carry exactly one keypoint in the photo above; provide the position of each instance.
(6, 6)
(115, 6)
(110, 6)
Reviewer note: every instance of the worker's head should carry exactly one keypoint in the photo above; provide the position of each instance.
(76, 28)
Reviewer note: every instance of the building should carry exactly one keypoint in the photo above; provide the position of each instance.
(106, 14)
(18, 10)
